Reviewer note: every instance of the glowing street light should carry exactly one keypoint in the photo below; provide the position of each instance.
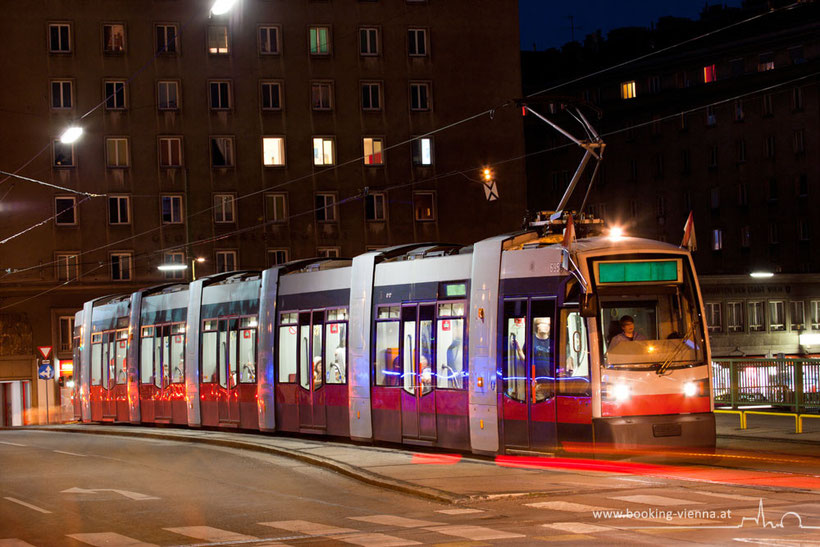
(71, 134)
(221, 7)
(761, 275)
(616, 233)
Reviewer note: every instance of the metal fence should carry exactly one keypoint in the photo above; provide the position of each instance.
(792, 384)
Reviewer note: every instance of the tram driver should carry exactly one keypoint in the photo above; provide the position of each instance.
(628, 332)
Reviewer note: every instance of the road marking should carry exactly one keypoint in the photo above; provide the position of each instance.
(30, 506)
(729, 496)
(69, 453)
(459, 511)
(391, 520)
(14, 542)
(656, 500)
(375, 540)
(475, 533)
(208, 533)
(576, 527)
(110, 539)
(136, 496)
(12, 444)
(565, 537)
(309, 528)
(565, 506)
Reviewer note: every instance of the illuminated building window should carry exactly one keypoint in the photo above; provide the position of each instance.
(67, 266)
(323, 151)
(114, 38)
(273, 151)
(277, 257)
(116, 152)
(119, 210)
(765, 62)
(225, 261)
(374, 207)
(63, 154)
(65, 208)
(171, 209)
(734, 316)
(717, 240)
(269, 40)
(756, 318)
(798, 314)
(628, 90)
(321, 94)
(218, 40)
(325, 207)
(424, 206)
(167, 39)
(419, 96)
(271, 95)
(59, 38)
(423, 151)
(777, 315)
(276, 207)
(224, 208)
(62, 94)
(319, 39)
(709, 74)
(222, 152)
(713, 316)
(168, 95)
(373, 150)
(170, 151)
(121, 266)
(815, 314)
(368, 41)
(417, 42)
(220, 94)
(371, 96)
(114, 95)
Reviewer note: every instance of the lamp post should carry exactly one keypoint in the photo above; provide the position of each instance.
(193, 266)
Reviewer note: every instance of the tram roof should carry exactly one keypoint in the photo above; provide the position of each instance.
(635, 244)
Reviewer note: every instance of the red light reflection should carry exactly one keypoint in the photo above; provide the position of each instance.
(436, 459)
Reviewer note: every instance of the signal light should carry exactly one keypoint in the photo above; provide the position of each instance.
(487, 173)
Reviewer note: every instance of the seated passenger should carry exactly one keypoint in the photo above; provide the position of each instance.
(628, 334)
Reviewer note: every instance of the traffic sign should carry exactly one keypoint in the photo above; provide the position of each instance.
(45, 371)
(45, 351)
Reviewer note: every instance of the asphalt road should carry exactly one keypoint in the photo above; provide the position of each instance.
(76, 489)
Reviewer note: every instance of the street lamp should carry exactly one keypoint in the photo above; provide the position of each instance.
(193, 266)
(71, 134)
(761, 275)
(221, 7)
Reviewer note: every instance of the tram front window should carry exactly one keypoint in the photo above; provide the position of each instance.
(651, 326)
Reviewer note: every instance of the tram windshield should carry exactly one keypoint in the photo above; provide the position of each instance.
(652, 325)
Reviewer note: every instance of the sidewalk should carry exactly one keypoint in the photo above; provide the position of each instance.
(768, 428)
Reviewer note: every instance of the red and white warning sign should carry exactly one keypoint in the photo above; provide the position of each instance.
(45, 351)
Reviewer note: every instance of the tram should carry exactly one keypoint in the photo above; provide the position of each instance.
(509, 345)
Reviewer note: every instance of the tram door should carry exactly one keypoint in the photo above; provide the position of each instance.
(109, 377)
(418, 396)
(528, 372)
(162, 376)
(312, 412)
(228, 392)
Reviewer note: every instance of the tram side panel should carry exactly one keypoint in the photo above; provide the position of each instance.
(76, 400)
(265, 367)
(108, 364)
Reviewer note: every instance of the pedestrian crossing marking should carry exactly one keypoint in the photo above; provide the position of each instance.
(24, 504)
(14, 542)
(392, 520)
(477, 533)
(566, 537)
(208, 533)
(656, 500)
(459, 511)
(730, 496)
(309, 528)
(12, 444)
(110, 539)
(375, 540)
(565, 506)
(577, 527)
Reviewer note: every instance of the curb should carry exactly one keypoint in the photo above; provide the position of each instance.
(356, 473)
(768, 439)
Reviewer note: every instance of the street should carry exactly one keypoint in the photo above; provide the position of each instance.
(78, 489)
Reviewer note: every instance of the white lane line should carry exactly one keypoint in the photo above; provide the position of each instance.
(565, 506)
(309, 528)
(208, 533)
(12, 444)
(577, 527)
(661, 501)
(69, 453)
(459, 511)
(475, 533)
(110, 539)
(375, 540)
(728, 496)
(14, 542)
(391, 520)
(24, 504)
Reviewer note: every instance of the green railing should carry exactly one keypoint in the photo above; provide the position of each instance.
(792, 384)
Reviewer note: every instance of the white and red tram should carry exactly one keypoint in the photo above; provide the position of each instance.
(501, 346)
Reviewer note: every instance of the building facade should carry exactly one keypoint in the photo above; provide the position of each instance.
(278, 131)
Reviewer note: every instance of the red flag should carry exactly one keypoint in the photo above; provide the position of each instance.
(689, 241)
(569, 233)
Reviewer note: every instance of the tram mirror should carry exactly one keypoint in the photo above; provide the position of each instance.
(589, 305)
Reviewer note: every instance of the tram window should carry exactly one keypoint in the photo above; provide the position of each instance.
(316, 356)
(119, 360)
(96, 363)
(221, 351)
(166, 358)
(542, 361)
(425, 351)
(337, 314)
(247, 355)
(408, 353)
(232, 375)
(450, 353)
(146, 355)
(177, 355)
(209, 354)
(515, 360)
(573, 369)
(389, 312)
(288, 342)
(110, 374)
(388, 369)
(336, 353)
(304, 356)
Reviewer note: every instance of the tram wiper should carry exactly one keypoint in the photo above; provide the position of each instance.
(663, 367)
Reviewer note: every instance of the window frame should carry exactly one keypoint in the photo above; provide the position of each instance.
(217, 51)
(328, 252)
(72, 160)
(418, 153)
(629, 90)
(118, 143)
(278, 84)
(711, 308)
(325, 89)
(272, 252)
(171, 198)
(62, 83)
(168, 83)
(370, 85)
(277, 43)
(111, 51)
(793, 323)
(271, 216)
(324, 141)
(224, 198)
(331, 218)
(64, 263)
(118, 210)
(773, 312)
(226, 253)
(369, 47)
(378, 157)
(224, 98)
(413, 43)
(169, 47)
(328, 46)
(739, 325)
(75, 220)
(117, 256)
(230, 159)
(170, 139)
(282, 151)
(60, 24)
(110, 99)
(428, 106)
(376, 196)
(433, 211)
(174, 257)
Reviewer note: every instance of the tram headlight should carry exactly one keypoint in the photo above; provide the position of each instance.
(621, 392)
(690, 389)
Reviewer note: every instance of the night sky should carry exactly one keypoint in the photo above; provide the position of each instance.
(546, 22)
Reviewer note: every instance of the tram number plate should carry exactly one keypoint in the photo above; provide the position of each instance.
(666, 430)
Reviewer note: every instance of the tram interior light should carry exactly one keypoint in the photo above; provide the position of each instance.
(621, 392)
(690, 389)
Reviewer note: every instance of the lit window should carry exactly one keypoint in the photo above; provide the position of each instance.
(713, 316)
(67, 266)
(319, 40)
(269, 40)
(224, 208)
(168, 95)
(323, 151)
(628, 90)
(371, 96)
(798, 311)
(373, 151)
(423, 151)
(276, 208)
(419, 96)
(170, 152)
(777, 315)
(321, 95)
(119, 210)
(174, 258)
(113, 38)
(369, 41)
(374, 207)
(171, 209)
(225, 261)
(61, 94)
(717, 240)
(167, 39)
(326, 207)
(220, 92)
(271, 95)
(114, 95)
(222, 152)
(417, 42)
(815, 314)
(277, 257)
(273, 151)
(756, 319)
(765, 62)
(65, 211)
(59, 38)
(424, 206)
(63, 154)
(734, 316)
(116, 151)
(709, 74)
(218, 40)
(121, 266)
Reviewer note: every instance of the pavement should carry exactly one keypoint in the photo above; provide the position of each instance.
(462, 478)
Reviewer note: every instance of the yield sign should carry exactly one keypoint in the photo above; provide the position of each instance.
(45, 350)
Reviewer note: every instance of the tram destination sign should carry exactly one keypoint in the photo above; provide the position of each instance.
(638, 271)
